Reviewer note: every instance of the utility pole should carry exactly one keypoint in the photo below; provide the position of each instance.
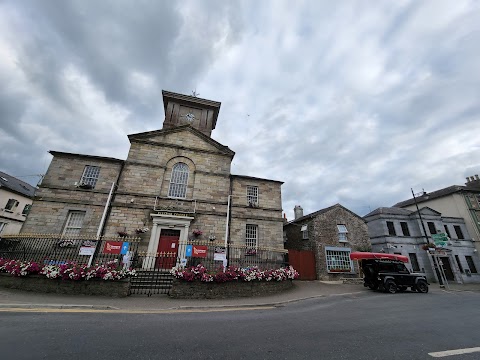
(420, 215)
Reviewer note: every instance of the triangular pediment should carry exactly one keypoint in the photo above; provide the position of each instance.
(181, 136)
(427, 211)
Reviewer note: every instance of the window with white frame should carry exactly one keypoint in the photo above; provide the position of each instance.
(74, 223)
(304, 230)
(338, 260)
(342, 232)
(252, 195)
(251, 236)
(11, 205)
(178, 181)
(90, 176)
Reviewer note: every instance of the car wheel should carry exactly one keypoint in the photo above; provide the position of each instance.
(402, 288)
(422, 286)
(390, 286)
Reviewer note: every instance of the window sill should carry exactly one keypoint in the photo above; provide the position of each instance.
(340, 271)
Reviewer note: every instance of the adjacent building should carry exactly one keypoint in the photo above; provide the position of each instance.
(176, 184)
(399, 231)
(456, 201)
(15, 203)
(320, 243)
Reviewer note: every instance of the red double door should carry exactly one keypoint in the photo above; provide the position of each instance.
(167, 249)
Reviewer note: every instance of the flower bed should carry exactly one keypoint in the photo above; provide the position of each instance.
(69, 278)
(68, 271)
(197, 282)
(233, 273)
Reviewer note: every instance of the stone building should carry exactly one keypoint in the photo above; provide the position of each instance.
(329, 235)
(174, 181)
(399, 231)
(15, 202)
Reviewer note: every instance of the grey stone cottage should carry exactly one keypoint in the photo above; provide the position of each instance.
(320, 243)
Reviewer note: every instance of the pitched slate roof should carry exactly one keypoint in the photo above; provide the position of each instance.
(433, 195)
(60, 153)
(15, 185)
(399, 211)
(256, 178)
(322, 211)
(389, 211)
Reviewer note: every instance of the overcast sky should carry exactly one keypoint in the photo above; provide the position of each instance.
(351, 102)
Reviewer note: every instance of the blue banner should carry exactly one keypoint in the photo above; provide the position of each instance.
(124, 248)
(188, 251)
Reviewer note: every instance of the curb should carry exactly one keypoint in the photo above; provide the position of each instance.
(57, 306)
(181, 307)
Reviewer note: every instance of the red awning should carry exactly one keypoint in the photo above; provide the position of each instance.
(378, 256)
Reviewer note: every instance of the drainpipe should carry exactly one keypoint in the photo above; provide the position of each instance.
(106, 213)
(102, 222)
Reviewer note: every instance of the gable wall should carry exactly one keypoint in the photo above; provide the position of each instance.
(325, 233)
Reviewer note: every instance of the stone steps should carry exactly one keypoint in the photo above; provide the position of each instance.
(155, 279)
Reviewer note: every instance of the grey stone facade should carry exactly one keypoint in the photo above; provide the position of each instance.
(323, 238)
(389, 235)
(142, 181)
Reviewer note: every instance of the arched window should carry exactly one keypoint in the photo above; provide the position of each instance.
(178, 181)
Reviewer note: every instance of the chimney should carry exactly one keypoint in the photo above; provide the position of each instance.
(473, 182)
(298, 211)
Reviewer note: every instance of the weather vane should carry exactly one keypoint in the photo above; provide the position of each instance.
(194, 93)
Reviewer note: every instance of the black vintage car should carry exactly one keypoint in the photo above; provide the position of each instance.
(392, 276)
(388, 273)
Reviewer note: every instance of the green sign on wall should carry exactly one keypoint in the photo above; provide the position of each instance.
(440, 239)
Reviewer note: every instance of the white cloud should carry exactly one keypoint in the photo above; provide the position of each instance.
(345, 102)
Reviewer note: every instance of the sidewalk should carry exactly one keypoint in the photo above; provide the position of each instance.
(301, 290)
(458, 287)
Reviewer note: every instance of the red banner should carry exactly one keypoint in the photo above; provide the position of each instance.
(199, 251)
(112, 247)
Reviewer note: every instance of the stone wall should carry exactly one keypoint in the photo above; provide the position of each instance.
(267, 216)
(143, 182)
(49, 217)
(58, 194)
(39, 283)
(232, 289)
(325, 234)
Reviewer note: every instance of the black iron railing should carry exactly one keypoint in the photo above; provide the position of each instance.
(56, 249)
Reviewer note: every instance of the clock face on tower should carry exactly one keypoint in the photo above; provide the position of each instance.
(190, 117)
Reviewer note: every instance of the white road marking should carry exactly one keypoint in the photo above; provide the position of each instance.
(454, 352)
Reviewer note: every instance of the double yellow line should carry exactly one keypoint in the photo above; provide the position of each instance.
(130, 311)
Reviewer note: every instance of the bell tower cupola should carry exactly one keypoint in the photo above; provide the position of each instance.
(181, 109)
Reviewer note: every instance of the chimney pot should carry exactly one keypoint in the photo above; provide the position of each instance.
(476, 177)
(468, 179)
